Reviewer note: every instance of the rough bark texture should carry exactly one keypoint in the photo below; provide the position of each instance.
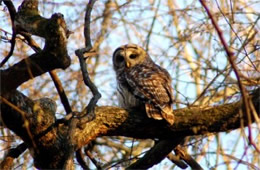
(51, 149)
(52, 142)
(54, 54)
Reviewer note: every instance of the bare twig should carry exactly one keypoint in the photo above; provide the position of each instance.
(233, 30)
(87, 23)
(152, 26)
(89, 110)
(30, 41)
(62, 94)
(12, 12)
(231, 58)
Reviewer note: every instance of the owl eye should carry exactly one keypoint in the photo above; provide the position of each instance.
(120, 58)
(133, 56)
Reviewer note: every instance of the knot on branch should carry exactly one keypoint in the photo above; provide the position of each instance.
(44, 115)
(29, 5)
(58, 25)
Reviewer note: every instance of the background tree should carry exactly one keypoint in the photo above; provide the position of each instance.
(211, 50)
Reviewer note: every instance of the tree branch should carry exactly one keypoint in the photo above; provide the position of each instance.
(156, 154)
(114, 121)
(187, 158)
(177, 161)
(89, 110)
(61, 92)
(12, 12)
(231, 59)
(54, 55)
(11, 155)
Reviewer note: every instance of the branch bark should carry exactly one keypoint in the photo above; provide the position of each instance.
(52, 142)
(51, 147)
(156, 154)
(53, 56)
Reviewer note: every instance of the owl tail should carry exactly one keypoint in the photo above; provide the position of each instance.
(167, 114)
(153, 112)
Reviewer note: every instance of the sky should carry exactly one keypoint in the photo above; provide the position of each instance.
(118, 36)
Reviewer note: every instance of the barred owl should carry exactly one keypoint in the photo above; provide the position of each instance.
(142, 83)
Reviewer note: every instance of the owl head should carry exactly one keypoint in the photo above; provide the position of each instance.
(128, 56)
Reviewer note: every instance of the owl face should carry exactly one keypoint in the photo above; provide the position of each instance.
(128, 56)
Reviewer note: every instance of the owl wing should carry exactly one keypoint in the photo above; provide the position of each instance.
(153, 85)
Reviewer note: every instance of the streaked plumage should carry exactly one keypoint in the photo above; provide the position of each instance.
(143, 83)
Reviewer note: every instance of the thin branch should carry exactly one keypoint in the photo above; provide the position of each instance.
(12, 12)
(233, 30)
(87, 23)
(62, 94)
(152, 26)
(231, 58)
(89, 110)
(30, 41)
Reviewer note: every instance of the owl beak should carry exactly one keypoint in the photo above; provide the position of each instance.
(127, 64)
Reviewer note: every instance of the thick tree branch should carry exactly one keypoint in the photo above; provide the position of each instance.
(114, 121)
(11, 155)
(181, 153)
(80, 159)
(54, 55)
(156, 154)
(177, 161)
(38, 117)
